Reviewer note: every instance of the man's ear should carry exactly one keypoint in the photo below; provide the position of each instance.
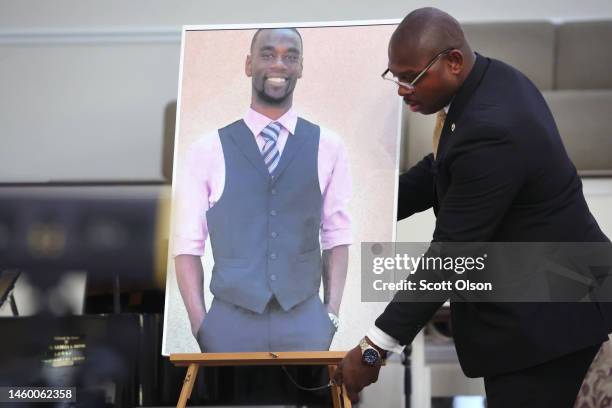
(300, 68)
(456, 61)
(247, 66)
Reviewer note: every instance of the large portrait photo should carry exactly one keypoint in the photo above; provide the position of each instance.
(286, 158)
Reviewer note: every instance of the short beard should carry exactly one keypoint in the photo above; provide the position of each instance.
(270, 100)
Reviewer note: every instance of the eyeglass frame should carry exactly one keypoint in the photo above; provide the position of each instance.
(410, 85)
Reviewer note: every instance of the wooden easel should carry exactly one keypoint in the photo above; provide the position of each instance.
(193, 361)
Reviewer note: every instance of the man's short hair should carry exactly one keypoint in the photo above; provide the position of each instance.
(278, 28)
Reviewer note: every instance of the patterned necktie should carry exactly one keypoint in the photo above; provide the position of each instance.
(440, 118)
(270, 152)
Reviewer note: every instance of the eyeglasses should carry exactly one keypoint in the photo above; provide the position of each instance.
(410, 85)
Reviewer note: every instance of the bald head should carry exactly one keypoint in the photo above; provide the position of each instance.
(429, 52)
(427, 31)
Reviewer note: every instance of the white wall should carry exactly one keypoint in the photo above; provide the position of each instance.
(21, 14)
(85, 111)
(597, 191)
(85, 83)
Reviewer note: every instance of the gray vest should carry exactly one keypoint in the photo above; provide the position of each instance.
(264, 230)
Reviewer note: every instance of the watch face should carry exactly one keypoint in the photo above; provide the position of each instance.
(371, 357)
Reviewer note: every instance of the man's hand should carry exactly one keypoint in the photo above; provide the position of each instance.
(331, 309)
(355, 374)
(196, 321)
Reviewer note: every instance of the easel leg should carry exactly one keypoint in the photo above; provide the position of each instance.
(190, 377)
(335, 390)
(339, 395)
(346, 402)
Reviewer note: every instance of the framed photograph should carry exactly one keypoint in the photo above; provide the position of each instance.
(286, 159)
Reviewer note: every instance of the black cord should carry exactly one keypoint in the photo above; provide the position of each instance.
(321, 387)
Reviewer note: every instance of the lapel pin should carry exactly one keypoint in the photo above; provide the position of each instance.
(452, 127)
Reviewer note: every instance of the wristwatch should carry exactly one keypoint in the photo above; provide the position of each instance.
(371, 355)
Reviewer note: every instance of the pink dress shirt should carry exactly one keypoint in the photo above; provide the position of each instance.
(199, 184)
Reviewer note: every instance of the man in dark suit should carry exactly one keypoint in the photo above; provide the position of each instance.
(498, 173)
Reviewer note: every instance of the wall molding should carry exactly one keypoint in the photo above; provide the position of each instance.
(168, 35)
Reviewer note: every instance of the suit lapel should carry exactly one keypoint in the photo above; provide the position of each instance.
(245, 141)
(459, 102)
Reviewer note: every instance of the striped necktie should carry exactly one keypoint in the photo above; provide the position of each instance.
(270, 152)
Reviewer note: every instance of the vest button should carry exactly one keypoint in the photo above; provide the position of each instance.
(274, 235)
(273, 191)
(273, 213)
(272, 255)
(273, 277)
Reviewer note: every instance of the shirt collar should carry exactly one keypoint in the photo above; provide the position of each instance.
(256, 122)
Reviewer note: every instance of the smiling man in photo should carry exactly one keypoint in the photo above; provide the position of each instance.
(271, 190)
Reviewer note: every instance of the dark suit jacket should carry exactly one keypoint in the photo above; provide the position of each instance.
(501, 175)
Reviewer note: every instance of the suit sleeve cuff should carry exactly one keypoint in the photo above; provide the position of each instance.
(384, 341)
